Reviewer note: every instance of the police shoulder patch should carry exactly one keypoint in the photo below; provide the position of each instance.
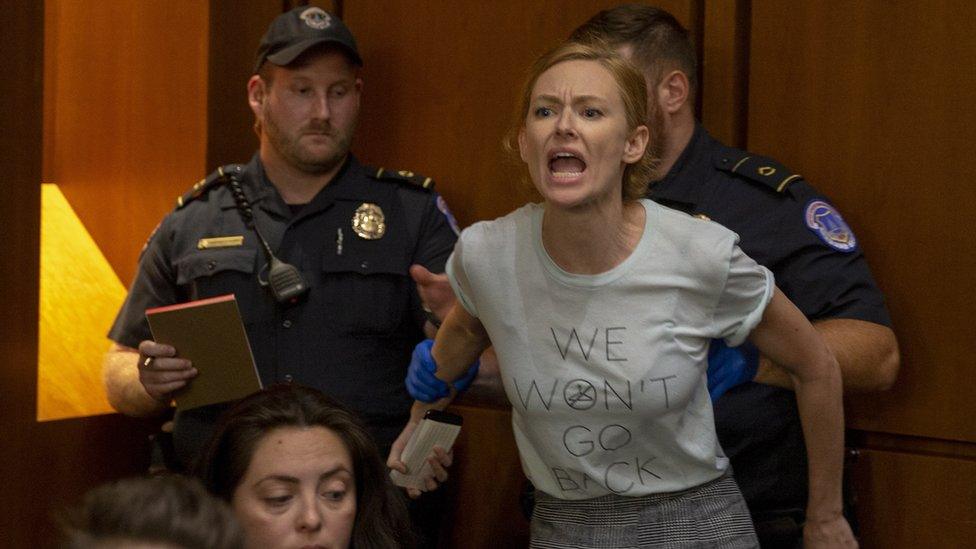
(759, 169)
(442, 206)
(826, 222)
(405, 177)
(214, 180)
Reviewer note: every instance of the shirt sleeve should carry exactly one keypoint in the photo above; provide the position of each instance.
(823, 281)
(458, 276)
(437, 235)
(154, 286)
(748, 289)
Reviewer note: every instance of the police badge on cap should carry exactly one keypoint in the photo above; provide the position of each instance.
(295, 31)
(316, 18)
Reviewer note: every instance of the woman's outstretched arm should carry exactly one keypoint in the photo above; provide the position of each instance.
(788, 338)
(459, 342)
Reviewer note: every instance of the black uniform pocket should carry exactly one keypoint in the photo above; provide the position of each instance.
(366, 296)
(217, 272)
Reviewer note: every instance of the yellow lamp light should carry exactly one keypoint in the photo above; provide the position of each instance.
(79, 296)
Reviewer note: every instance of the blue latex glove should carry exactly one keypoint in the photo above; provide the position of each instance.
(421, 382)
(730, 366)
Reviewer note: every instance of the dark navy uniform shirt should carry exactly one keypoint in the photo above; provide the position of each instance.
(786, 225)
(352, 335)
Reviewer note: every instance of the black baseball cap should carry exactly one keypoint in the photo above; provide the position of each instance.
(295, 31)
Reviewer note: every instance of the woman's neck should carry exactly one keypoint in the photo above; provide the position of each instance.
(595, 238)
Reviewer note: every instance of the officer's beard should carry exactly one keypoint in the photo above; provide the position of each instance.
(290, 148)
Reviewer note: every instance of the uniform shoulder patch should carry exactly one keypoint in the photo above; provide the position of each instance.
(442, 206)
(826, 222)
(212, 181)
(759, 169)
(406, 177)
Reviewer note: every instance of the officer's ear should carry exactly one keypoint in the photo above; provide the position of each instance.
(257, 89)
(673, 91)
(358, 86)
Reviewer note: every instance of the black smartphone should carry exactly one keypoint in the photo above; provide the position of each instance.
(443, 417)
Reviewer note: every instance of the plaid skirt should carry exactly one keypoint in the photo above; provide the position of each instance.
(711, 515)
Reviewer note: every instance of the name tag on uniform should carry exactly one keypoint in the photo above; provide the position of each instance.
(220, 242)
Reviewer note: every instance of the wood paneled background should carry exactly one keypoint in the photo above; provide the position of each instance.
(125, 113)
(870, 100)
(873, 103)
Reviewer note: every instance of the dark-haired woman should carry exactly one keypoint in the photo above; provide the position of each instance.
(300, 471)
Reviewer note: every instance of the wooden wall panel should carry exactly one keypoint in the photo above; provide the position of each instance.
(236, 27)
(20, 153)
(43, 466)
(872, 101)
(724, 59)
(486, 480)
(927, 500)
(126, 113)
(441, 85)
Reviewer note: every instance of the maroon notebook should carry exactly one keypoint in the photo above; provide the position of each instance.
(210, 333)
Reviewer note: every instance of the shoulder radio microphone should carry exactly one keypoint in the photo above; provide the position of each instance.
(284, 280)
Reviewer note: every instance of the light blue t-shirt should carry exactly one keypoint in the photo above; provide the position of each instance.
(606, 372)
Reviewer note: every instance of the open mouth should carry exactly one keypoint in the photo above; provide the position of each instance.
(566, 164)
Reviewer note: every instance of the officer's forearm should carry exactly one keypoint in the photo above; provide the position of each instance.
(867, 353)
(125, 392)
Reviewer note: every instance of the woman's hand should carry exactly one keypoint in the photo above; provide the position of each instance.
(439, 459)
(828, 533)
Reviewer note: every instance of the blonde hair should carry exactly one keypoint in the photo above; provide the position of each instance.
(633, 91)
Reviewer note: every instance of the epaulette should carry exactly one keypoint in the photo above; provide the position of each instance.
(405, 177)
(215, 179)
(756, 168)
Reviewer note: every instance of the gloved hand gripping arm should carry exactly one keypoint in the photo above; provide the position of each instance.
(421, 382)
(729, 367)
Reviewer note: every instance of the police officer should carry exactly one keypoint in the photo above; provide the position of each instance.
(347, 326)
(784, 224)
